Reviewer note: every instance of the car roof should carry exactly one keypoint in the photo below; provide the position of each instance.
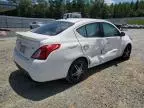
(76, 20)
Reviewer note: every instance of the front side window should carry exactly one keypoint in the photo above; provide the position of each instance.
(109, 30)
(90, 30)
(53, 28)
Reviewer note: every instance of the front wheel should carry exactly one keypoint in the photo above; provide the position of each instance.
(76, 71)
(127, 52)
(31, 27)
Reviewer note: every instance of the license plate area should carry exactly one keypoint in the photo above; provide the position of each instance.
(26, 47)
(22, 49)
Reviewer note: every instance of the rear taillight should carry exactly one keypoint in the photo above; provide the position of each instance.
(43, 52)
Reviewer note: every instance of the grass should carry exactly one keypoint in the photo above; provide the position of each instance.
(139, 22)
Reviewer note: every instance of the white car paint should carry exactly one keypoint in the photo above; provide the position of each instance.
(96, 50)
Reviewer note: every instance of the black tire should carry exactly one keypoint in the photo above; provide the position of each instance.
(127, 52)
(76, 71)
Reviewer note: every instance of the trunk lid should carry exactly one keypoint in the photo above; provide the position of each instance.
(27, 43)
(32, 36)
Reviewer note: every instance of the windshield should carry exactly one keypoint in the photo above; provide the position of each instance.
(53, 28)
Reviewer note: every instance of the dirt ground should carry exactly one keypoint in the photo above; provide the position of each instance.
(116, 84)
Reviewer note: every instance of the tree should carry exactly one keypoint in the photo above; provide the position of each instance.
(96, 8)
(24, 8)
(93, 8)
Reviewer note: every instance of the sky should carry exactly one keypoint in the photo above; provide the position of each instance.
(108, 1)
(117, 1)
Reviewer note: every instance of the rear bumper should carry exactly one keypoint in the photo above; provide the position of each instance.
(24, 64)
(39, 70)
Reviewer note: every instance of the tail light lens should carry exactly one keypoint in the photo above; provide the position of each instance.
(43, 52)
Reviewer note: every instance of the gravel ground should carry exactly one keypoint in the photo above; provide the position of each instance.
(116, 84)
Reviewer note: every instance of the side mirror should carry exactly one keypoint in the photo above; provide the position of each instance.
(122, 34)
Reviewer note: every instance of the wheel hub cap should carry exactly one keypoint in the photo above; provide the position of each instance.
(79, 70)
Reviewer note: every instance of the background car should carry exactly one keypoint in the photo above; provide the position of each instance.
(72, 15)
(36, 24)
(67, 48)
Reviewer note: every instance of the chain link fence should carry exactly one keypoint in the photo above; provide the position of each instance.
(124, 20)
(19, 22)
(22, 22)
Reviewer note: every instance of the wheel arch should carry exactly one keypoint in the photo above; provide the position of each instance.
(129, 44)
(84, 58)
(126, 46)
(78, 58)
(68, 78)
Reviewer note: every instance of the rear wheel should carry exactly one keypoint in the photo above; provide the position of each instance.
(76, 71)
(126, 53)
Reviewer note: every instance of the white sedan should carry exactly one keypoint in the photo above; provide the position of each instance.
(67, 48)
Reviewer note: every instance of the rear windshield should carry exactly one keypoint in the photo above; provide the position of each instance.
(53, 28)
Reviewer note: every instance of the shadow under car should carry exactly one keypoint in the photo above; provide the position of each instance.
(25, 87)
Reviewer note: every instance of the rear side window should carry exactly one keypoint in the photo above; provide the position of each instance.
(53, 28)
(90, 30)
(82, 31)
